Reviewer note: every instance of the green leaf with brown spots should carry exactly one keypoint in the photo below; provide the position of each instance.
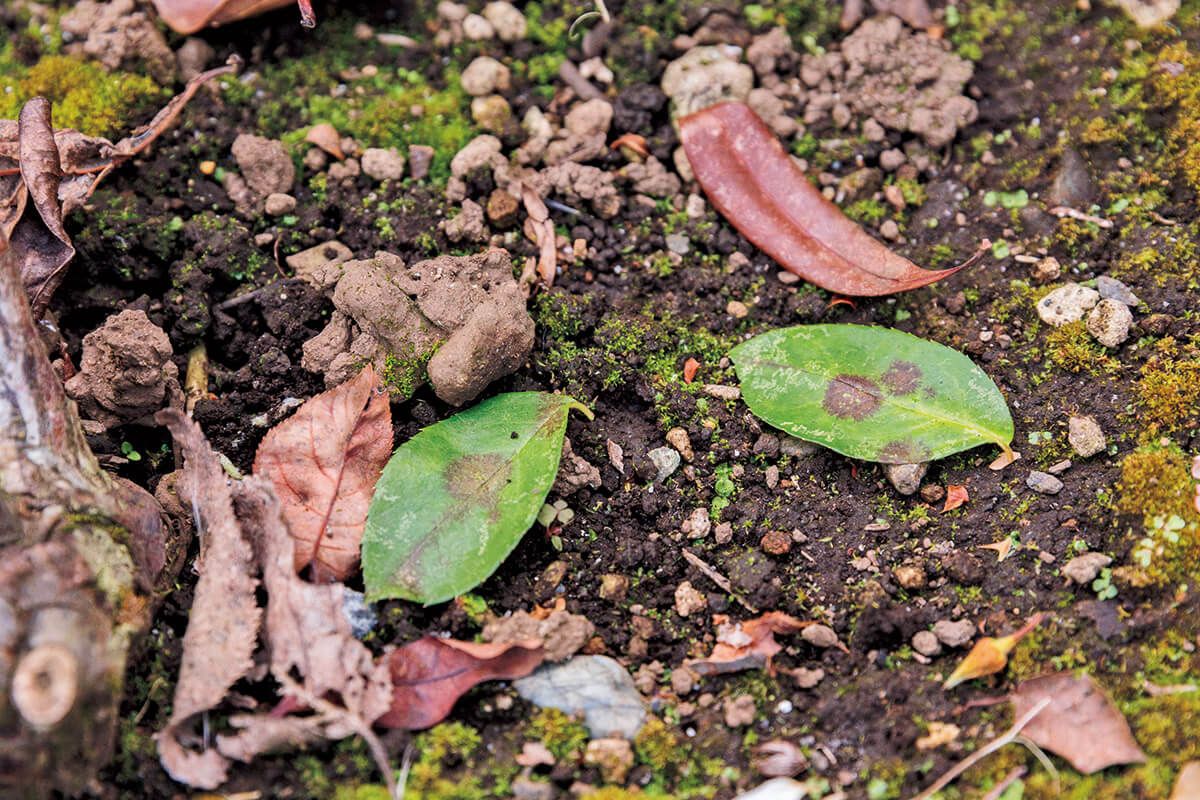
(871, 393)
(454, 500)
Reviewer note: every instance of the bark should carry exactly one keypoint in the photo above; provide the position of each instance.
(83, 558)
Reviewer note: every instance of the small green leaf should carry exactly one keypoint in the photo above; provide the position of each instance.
(871, 393)
(454, 500)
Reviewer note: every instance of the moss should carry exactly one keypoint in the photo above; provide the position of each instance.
(674, 764)
(1168, 393)
(1072, 348)
(370, 791)
(404, 374)
(983, 22)
(84, 96)
(867, 211)
(563, 736)
(1176, 80)
(619, 793)
(1156, 487)
(443, 748)
(560, 315)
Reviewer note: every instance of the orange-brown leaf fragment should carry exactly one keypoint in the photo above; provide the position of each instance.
(989, 655)
(1080, 723)
(955, 496)
(323, 463)
(430, 674)
(189, 16)
(747, 645)
(752, 181)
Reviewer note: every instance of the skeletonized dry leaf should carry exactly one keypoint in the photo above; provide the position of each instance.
(223, 623)
(323, 463)
(747, 645)
(1080, 723)
(430, 674)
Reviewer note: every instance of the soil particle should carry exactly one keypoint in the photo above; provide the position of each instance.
(1085, 436)
(706, 75)
(383, 164)
(1043, 483)
(954, 633)
(689, 600)
(116, 34)
(279, 204)
(1084, 569)
(906, 478)
(420, 158)
(193, 57)
(820, 636)
(739, 711)
(264, 163)
(563, 634)
(126, 373)
(485, 75)
(1067, 304)
(665, 460)
(926, 643)
(508, 22)
(467, 225)
(614, 757)
(1109, 322)
(697, 525)
(1113, 289)
(574, 473)
(1072, 185)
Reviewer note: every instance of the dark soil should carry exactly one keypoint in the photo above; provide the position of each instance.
(605, 332)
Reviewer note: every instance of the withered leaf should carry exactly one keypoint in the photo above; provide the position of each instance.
(223, 623)
(323, 463)
(956, 495)
(430, 674)
(189, 16)
(747, 645)
(754, 183)
(1080, 723)
(990, 654)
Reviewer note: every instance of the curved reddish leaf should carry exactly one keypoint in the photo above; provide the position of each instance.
(430, 674)
(752, 181)
(323, 463)
(747, 645)
(189, 16)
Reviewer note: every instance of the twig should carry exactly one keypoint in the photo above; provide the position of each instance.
(1067, 211)
(716, 577)
(195, 384)
(1014, 775)
(1007, 737)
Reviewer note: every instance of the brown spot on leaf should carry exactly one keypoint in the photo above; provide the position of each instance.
(902, 377)
(901, 452)
(851, 397)
(468, 474)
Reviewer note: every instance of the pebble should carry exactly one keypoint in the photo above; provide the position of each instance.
(807, 678)
(678, 243)
(1067, 304)
(1084, 569)
(529, 789)
(679, 439)
(777, 543)
(1113, 289)
(420, 157)
(821, 636)
(889, 230)
(722, 392)
(666, 461)
(1046, 269)
(698, 524)
(1085, 436)
(766, 445)
(491, 113)
(891, 160)
(795, 448)
(723, 533)
(477, 29)
(771, 476)
(1059, 467)
(502, 208)
(926, 643)
(1043, 483)
(954, 634)
(613, 587)
(739, 710)
(933, 493)
(689, 600)
(1110, 322)
(906, 478)
(736, 309)
(278, 204)
(509, 23)
(485, 75)
(383, 163)
(910, 576)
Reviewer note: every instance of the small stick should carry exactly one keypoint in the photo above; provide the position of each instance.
(1014, 775)
(1005, 738)
(716, 577)
(1067, 211)
(195, 384)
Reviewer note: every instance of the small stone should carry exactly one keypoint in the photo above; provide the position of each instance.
(698, 524)
(689, 600)
(722, 392)
(933, 493)
(509, 23)
(1085, 436)
(678, 243)
(736, 309)
(614, 757)
(806, 678)
(1084, 569)
(485, 75)
(1059, 467)
(926, 643)
(739, 711)
(613, 587)
(1043, 483)
(910, 576)
(1067, 304)
(383, 164)
(1157, 324)
(1046, 269)
(1113, 289)
(591, 118)
(872, 131)
(819, 635)
(777, 543)
(771, 476)
(766, 445)
(264, 163)
(723, 533)
(528, 789)
(263, 239)
(793, 447)
(502, 208)
(889, 230)
(954, 634)
(1110, 322)
(420, 158)
(477, 29)
(892, 160)
(278, 204)
(1072, 185)
(906, 478)
(666, 461)
(679, 439)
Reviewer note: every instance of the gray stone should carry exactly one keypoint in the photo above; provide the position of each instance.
(1084, 569)
(1110, 322)
(1085, 436)
(926, 643)
(954, 634)
(595, 686)
(678, 243)
(1113, 289)
(1066, 304)
(906, 478)
(821, 636)
(666, 461)
(278, 204)
(1072, 185)
(1043, 483)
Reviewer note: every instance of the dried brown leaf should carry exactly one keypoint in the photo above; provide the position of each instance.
(990, 654)
(1079, 723)
(323, 463)
(747, 645)
(430, 674)
(955, 496)
(189, 16)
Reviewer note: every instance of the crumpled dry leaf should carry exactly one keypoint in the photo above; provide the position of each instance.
(189, 16)
(955, 496)
(747, 645)
(562, 633)
(58, 171)
(218, 646)
(430, 674)
(989, 655)
(323, 463)
(1080, 723)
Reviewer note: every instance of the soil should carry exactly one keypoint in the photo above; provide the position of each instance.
(615, 332)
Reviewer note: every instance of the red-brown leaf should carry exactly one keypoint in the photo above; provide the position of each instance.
(430, 674)
(955, 496)
(752, 181)
(189, 16)
(323, 463)
(1080, 723)
(747, 645)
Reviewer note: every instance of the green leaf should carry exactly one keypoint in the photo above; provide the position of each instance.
(871, 393)
(454, 500)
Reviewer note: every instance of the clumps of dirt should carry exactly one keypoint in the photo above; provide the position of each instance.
(563, 634)
(459, 321)
(706, 75)
(126, 373)
(265, 165)
(115, 33)
(901, 79)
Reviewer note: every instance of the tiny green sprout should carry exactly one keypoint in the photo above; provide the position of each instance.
(1000, 250)
(130, 453)
(1103, 585)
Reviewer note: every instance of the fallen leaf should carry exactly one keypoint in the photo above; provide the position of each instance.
(747, 645)
(323, 463)
(1080, 723)
(753, 182)
(871, 393)
(989, 655)
(222, 629)
(189, 16)
(326, 137)
(595, 686)
(632, 142)
(429, 675)
(1187, 783)
(779, 758)
(1003, 548)
(690, 368)
(955, 496)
